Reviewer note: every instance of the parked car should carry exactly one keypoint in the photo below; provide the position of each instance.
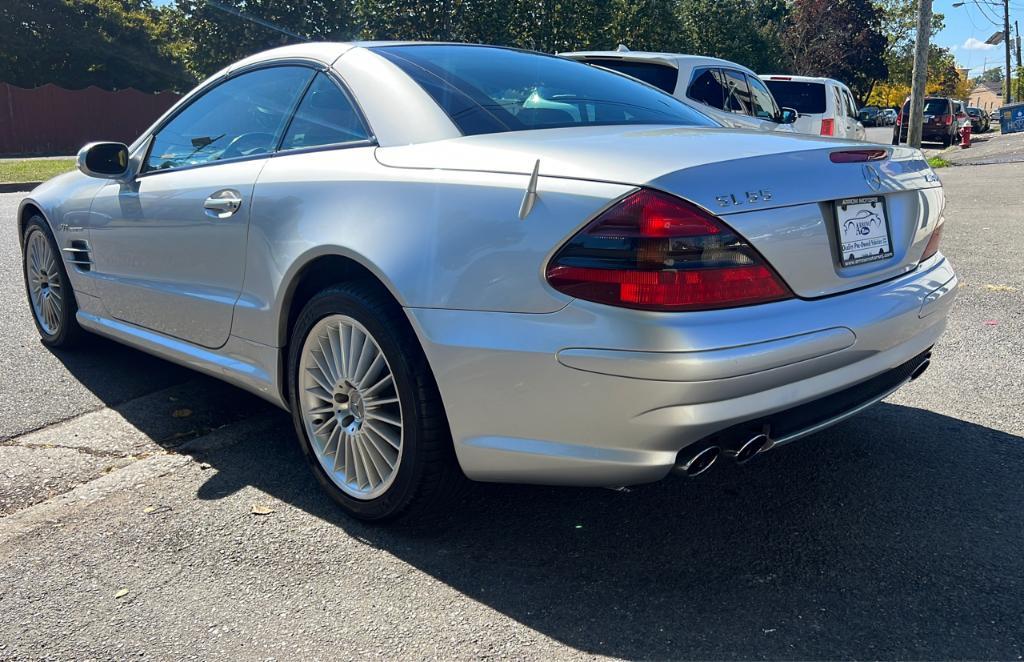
(890, 116)
(825, 105)
(979, 120)
(871, 116)
(993, 116)
(596, 292)
(941, 122)
(730, 93)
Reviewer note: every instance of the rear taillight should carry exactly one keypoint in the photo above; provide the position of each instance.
(947, 119)
(933, 243)
(899, 119)
(653, 251)
(828, 127)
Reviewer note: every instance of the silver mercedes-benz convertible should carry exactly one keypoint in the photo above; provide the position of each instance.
(456, 261)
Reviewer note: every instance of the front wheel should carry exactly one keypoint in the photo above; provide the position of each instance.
(365, 406)
(49, 290)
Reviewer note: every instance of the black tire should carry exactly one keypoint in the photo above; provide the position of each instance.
(947, 140)
(68, 333)
(428, 474)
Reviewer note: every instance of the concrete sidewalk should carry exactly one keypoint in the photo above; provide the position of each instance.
(987, 149)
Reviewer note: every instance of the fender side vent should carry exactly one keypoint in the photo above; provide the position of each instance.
(78, 254)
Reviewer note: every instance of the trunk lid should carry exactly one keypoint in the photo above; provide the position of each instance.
(777, 190)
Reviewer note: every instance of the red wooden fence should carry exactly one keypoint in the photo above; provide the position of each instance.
(52, 120)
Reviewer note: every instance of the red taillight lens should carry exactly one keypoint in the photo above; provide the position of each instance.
(933, 243)
(947, 119)
(899, 119)
(656, 252)
(828, 127)
(857, 155)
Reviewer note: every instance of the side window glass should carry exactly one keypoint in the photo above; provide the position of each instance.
(851, 106)
(840, 105)
(764, 104)
(324, 117)
(738, 94)
(708, 88)
(243, 116)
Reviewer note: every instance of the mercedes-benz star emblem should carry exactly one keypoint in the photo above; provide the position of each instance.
(872, 177)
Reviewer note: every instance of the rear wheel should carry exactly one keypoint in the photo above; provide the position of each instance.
(48, 288)
(366, 409)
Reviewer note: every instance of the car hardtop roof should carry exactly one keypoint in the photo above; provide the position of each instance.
(328, 52)
(802, 79)
(671, 59)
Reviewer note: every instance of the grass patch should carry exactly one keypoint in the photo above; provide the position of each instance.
(33, 170)
(938, 162)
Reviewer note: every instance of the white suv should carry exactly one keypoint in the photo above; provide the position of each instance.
(726, 91)
(826, 106)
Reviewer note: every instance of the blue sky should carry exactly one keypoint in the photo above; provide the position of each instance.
(969, 26)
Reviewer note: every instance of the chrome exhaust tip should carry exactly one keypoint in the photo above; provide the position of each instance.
(921, 367)
(698, 463)
(748, 450)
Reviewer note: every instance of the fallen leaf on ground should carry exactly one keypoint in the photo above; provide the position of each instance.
(149, 509)
(991, 322)
(120, 594)
(260, 509)
(1000, 288)
(181, 413)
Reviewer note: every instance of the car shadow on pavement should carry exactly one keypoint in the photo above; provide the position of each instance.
(898, 534)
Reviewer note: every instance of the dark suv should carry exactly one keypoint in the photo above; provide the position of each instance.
(942, 117)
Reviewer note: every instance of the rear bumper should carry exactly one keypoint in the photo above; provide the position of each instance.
(593, 395)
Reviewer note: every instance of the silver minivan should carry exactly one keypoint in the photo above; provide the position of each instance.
(826, 106)
(728, 92)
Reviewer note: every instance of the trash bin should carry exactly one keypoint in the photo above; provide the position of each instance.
(1011, 118)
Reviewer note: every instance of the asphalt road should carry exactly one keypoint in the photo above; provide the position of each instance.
(899, 534)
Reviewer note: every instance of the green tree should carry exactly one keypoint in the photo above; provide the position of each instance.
(840, 39)
(214, 35)
(112, 44)
(744, 31)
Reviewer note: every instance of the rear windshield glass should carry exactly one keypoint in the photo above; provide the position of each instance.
(492, 90)
(660, 76)
(804, 98)
(931, 107)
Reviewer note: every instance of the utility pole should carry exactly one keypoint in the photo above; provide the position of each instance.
(1020, 67)
(920, 78)
(1007, 91)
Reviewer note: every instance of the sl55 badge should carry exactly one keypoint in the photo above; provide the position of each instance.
(748, 197)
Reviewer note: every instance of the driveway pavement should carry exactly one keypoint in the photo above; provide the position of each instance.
(127, 529)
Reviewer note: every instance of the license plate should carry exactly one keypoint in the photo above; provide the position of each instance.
(862, 230)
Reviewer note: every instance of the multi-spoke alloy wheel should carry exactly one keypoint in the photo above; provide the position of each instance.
(350, 406)
(45, 282)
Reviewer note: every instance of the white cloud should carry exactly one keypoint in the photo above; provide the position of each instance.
(973, 44)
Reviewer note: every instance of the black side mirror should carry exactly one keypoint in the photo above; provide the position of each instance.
(104, 160)
(788, 116)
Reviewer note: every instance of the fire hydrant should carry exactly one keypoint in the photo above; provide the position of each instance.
(965, 133)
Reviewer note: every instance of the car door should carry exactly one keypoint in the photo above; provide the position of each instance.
(854, 129)
(169, 247)
(763, 105)
(738, 99)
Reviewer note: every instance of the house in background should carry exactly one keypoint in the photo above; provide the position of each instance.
(987, 96)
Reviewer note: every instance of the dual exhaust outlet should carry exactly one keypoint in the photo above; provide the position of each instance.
(695, 463)
(703, 459)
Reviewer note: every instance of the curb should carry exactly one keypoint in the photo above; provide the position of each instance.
(18, 187)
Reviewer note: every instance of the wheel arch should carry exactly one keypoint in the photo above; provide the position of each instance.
(27, 210)
(310, 276)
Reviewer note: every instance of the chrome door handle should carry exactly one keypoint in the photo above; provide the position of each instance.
(223, 204)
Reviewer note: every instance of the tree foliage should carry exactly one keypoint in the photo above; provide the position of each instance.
(840, 39)
(112, 44)
(131, 42)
